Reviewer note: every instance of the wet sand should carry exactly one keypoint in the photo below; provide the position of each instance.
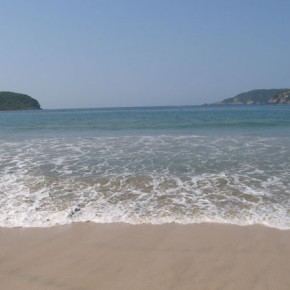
(125, 257)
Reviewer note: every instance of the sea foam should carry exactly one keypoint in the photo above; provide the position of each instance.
(145, 179)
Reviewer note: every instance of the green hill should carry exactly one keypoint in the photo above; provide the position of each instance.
(14, 101)
(257, 97)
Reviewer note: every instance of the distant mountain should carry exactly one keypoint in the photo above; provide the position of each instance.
(258, 97)
(10, 101)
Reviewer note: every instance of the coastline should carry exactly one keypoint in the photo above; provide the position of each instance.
(123, 256)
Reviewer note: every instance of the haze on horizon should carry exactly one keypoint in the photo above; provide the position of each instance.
(114, 53)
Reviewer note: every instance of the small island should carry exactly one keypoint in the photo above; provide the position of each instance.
(10, 101)
(259, 97)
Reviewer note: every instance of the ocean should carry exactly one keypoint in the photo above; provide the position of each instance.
(193, 164)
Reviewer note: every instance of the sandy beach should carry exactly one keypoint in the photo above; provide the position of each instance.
(122, 256)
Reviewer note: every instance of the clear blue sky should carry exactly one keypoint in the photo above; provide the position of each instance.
(93, 53)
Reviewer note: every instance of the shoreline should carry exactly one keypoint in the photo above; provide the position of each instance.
(144, 224)
(123, 256)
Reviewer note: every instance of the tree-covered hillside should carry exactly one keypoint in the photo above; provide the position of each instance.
(271, 96)
(15, 101)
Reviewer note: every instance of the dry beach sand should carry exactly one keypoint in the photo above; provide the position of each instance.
(124, 257)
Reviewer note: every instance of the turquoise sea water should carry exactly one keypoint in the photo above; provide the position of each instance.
(226, 164)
